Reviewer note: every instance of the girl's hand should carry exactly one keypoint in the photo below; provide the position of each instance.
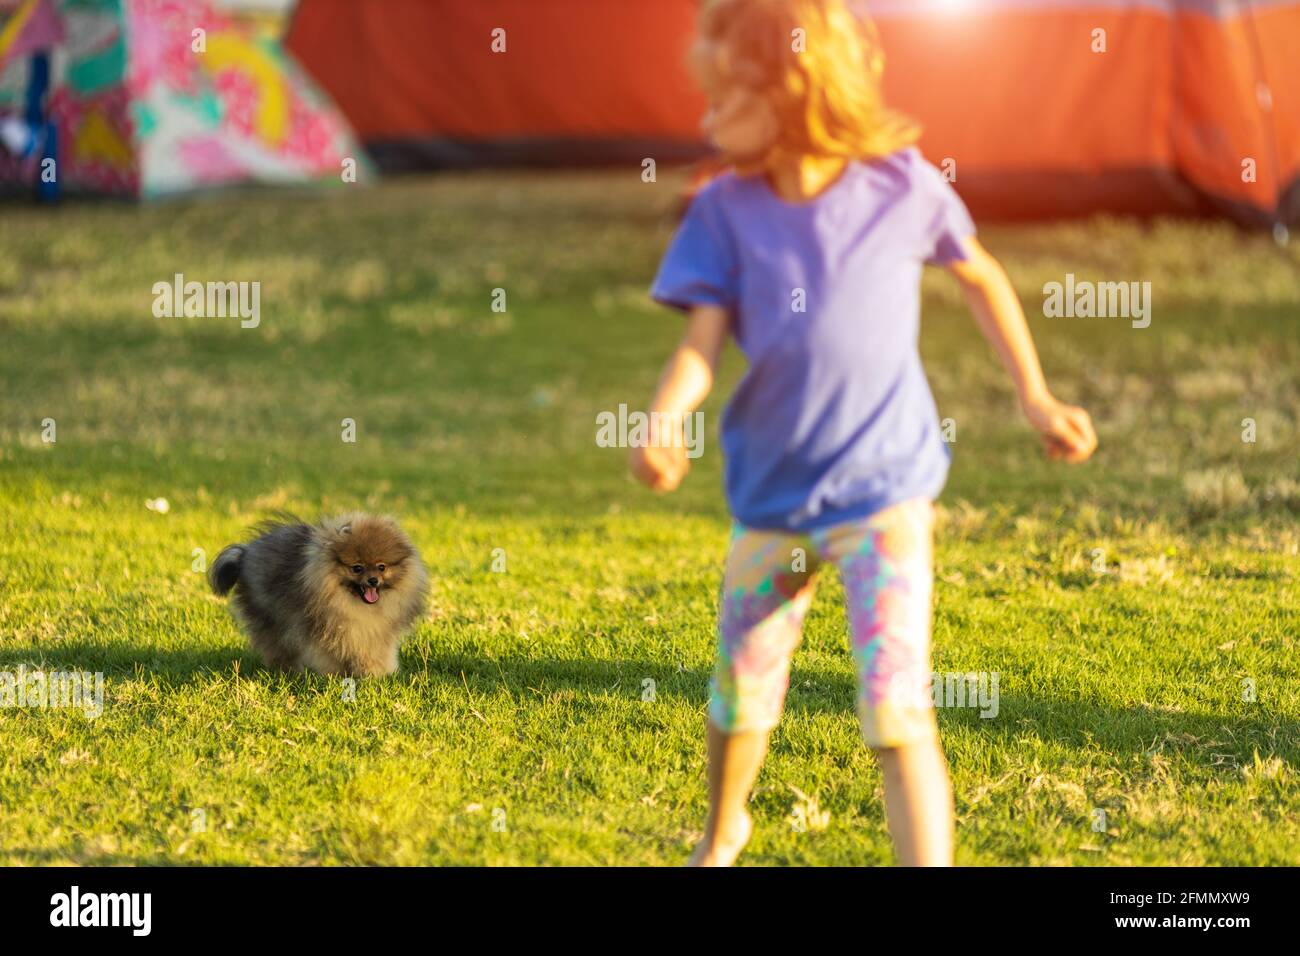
(662, 464)
(659, 468)
(1066, 430)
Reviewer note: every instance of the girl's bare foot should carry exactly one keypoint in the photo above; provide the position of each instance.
(723, 847)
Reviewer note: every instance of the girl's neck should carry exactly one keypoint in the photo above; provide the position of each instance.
(805, 177)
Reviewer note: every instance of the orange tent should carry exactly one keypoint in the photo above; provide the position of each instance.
(1040, 107)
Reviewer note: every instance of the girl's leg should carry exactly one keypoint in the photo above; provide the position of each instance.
(918, 802)
(766, 592)
(886, 562)
(734, 762)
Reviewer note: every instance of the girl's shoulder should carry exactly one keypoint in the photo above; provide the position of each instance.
(716, 199)
(907, 163)
(722, 186)
(908, 172)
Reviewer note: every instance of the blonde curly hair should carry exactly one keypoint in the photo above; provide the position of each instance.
(817, 63)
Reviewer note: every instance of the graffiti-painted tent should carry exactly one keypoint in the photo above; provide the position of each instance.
(144, 98)
(1045, 107)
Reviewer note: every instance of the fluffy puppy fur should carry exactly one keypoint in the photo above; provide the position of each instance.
(334, 597)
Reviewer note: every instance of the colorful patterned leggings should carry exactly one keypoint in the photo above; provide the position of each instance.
(885, 563)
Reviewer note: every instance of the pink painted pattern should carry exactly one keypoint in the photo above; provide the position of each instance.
(885, 562)
(314, 133)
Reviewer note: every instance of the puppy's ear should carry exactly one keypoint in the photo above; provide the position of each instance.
(336, 536)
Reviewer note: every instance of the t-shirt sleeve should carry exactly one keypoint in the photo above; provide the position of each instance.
(699, 267)
(947, 221)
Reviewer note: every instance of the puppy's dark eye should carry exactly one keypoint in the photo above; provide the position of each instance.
(381, 569)
(357, 569)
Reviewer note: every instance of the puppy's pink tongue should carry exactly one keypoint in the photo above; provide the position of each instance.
(371, 595)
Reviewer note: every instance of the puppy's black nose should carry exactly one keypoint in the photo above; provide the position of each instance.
(373, 582)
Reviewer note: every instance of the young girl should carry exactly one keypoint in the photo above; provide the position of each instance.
(809, 253)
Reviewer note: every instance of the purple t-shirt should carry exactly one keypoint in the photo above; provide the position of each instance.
(833, 419)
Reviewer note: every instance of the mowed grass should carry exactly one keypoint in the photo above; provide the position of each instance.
(1128, 606)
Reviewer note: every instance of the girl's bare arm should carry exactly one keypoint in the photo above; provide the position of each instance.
(684, 385)
(1066, 430)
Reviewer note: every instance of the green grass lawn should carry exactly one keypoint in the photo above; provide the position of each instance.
(1127, 605)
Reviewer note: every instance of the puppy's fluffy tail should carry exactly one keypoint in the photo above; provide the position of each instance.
(224, 572)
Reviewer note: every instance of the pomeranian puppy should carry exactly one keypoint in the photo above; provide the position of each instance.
(335, 597)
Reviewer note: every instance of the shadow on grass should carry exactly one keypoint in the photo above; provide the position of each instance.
(171, 668)
(30, 856)
(1210, 741)
(1207, 740)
